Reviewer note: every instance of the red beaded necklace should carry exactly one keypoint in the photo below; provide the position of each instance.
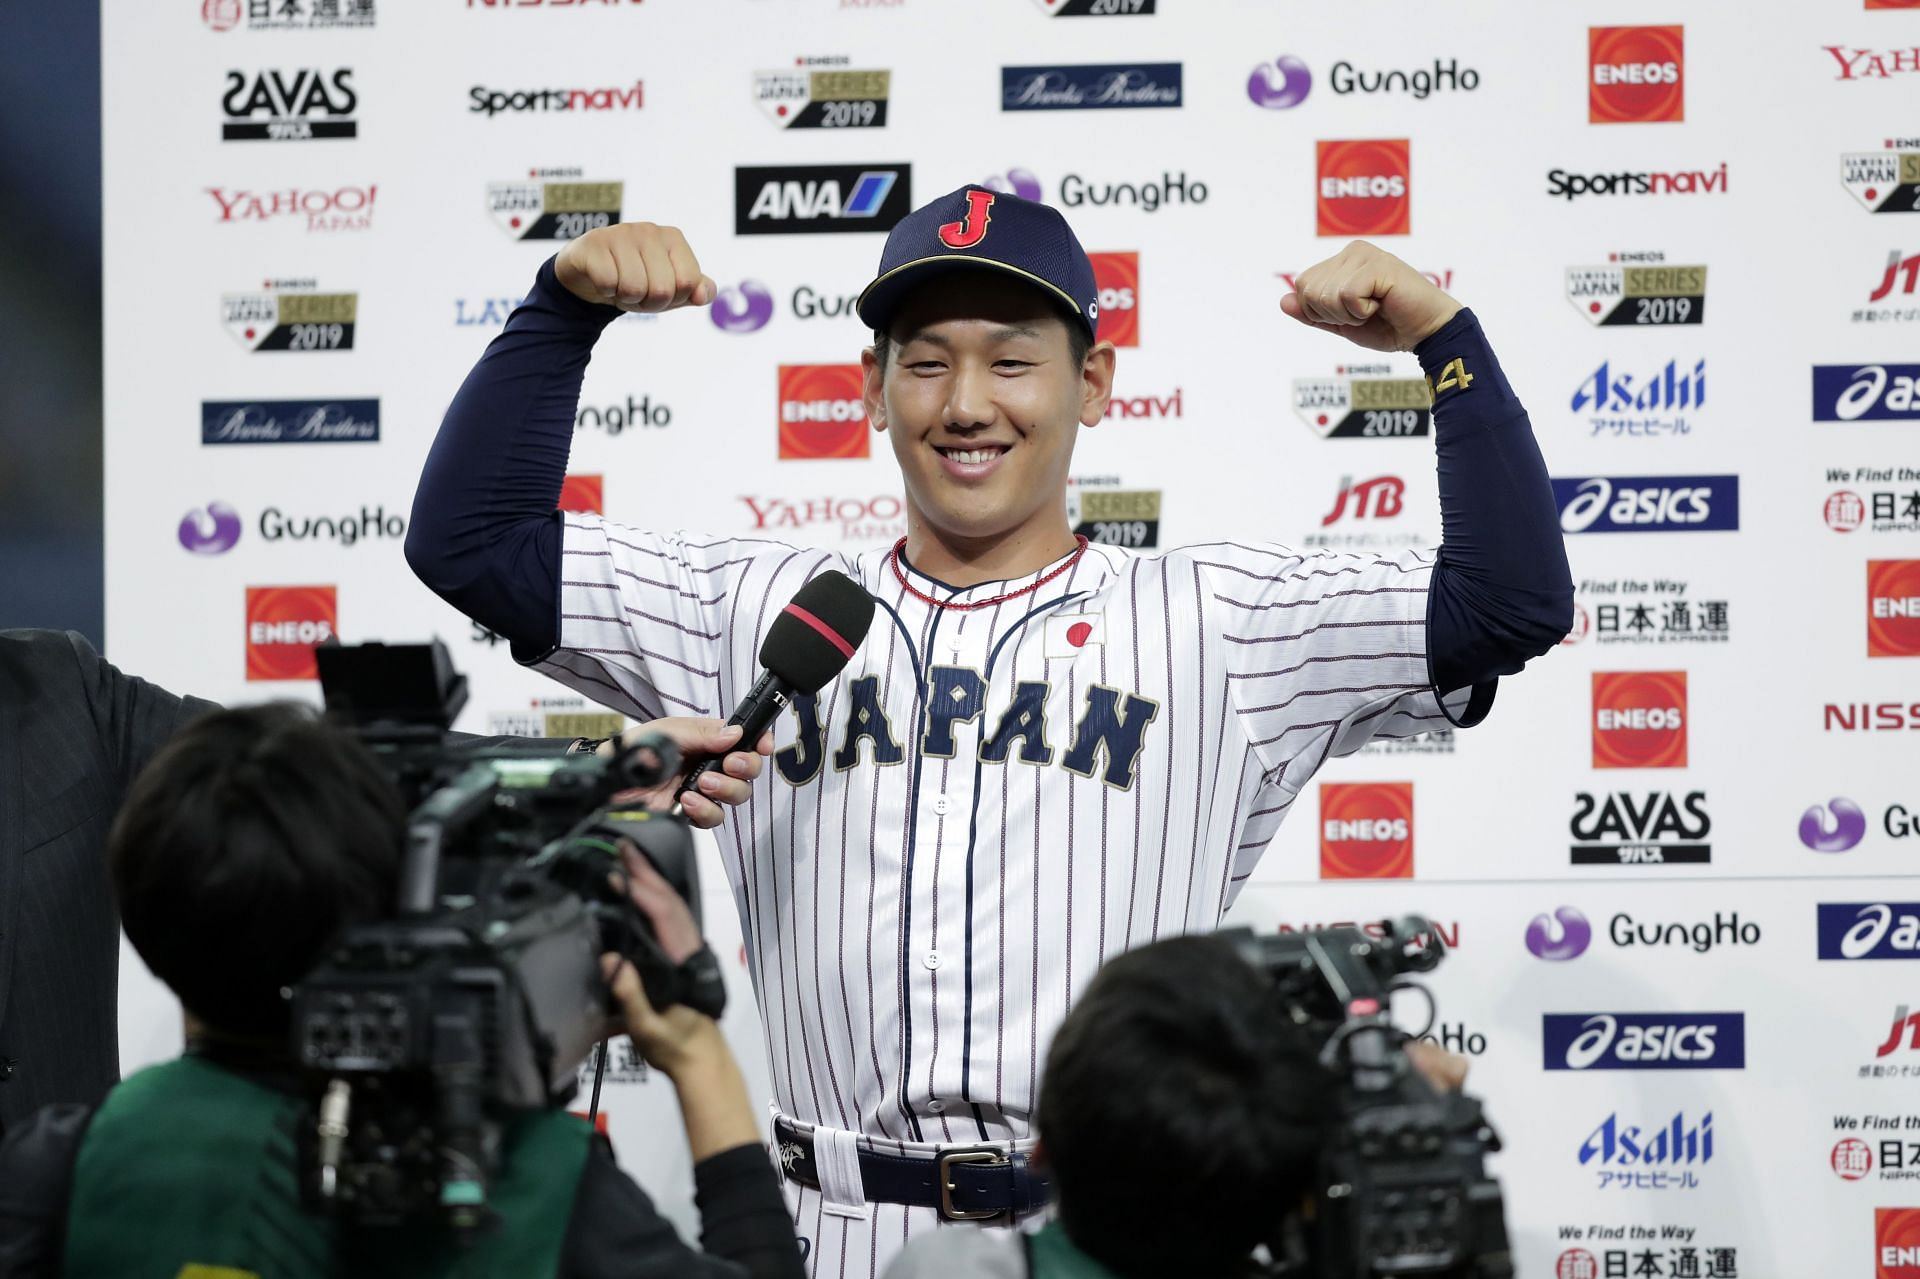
(923, 597)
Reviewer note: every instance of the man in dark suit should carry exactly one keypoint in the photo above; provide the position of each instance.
(74, 732)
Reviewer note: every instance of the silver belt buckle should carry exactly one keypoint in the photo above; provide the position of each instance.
(965, 1155)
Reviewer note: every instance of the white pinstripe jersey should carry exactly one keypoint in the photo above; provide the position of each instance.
(959, 829)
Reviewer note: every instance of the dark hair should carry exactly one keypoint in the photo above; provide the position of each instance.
(1181, 1112)
(1079, 342)
(242, 847)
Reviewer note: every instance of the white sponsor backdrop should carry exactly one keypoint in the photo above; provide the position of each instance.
(1791, 260)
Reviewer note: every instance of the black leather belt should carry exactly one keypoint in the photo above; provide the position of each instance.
(963, 1183)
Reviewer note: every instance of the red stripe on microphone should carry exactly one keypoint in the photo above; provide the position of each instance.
(845, 648)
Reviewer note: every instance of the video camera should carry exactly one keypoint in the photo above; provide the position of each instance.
(1402, 1187)
(481, 994)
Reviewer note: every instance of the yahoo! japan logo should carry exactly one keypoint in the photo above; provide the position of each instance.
(1021, 182)
(210, 531)
(1279, 84)
(743, 308)
(1564, 936)
(1846, 828)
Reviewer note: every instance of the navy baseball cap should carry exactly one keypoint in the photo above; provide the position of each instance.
(977, 227)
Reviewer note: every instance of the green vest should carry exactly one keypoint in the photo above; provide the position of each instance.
(1051, 1255)
(188, 1172)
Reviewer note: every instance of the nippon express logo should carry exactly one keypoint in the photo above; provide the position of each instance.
(1644, 405)
(1866, 392)
(279, 15)
(289, 106)
(1363, 187)
(1130, 85)
(1571, 186)
(1869, 930)
(822, 414)
(1644, 1041)
(1364, 401)
(540, 209)
(1625, 292)
(1893, 608)
(1885, 181)
(284, 623)
(823, 97)
(289, 421)
(1117, 277)
(1640, 719)
(290, 316)
(820, 198)
(1636, 75)
(1366, 830)
(1648, 503)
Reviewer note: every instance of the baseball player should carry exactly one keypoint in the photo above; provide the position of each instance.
(1045, 752)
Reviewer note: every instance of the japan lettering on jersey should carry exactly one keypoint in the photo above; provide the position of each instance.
(960, 829)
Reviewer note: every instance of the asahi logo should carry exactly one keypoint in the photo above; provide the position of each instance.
(1654, 828)
(289, 106)
(553, 204)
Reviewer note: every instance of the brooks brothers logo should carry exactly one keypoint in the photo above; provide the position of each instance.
(1893, 608)
(1646, 405)
(490, 102)
(1364, 401)
(1086, 88)
(1887, 180)
(283, 625)
(1866, 393)
(1117, 277)
(821, 412)
(1636, 75)
(823, 93)
(344, 208)
(287, 15)
(1651, 828)
(1366, 830)
(289, 421)
(1661, 611)
(1100, 511)
(289, 106)
(291, 315)
(553, 204)
(1648, 503)
(1644, 1041)
(1639, 719)
(1880, 510)
(1638, 289)
(817, 198)
(1096, 8)
(1364, 187)
(1572, 186)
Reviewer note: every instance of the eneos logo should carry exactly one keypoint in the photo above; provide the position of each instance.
(584, 494)
(1640, 719)
(283, 625)
(1116, 276)
(1636, 75)
(821, 412)
(1896, 1243)
(1364, 188)
(1366, 830)
(1893, 608)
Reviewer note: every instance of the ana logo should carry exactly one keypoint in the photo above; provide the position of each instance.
(1851, 1159)
(289, 421)
(1893, 608)
(820, 198)
(742, 308)
(1886, 181)
(1132, 86)
(1876, 930)
(1651, 293)
(1896, 1243)
(1282, 83)
(1620, 407)
(821, 413)
(211, 530)
(1844, 830)
(283, 625)
(583, 494)
(1366, 830)
(542, 209)
(1637, 74)
(1380, 498)
(1648, 503)
(1655, 829)
(972, 226)
(1640, 719)
(1117, 277)
(1644, 1041)
(1564, 935)
(1020, 182)
(291, 316)
(1364, 188)
(824, 93)
(289, 106)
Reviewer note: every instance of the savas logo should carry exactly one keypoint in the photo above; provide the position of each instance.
(1380, 498)
(1644, 1041)
(291, 315)
(817, 198)
(1638, 289)
(1833, 834)
(293, 106)
(283, 625)
(1896, 1231)
(821, 412)
(1117, 277)
(1366, 830)
(1656, 828)
(1640, 719)
(742, 308)
(1648, 503)
(544, 209)
(583, 494)
(1893, 608)
(1866, 392)
(1869, 930)
(1636, 74)
(1363, 401)
(1886, 181)
(1364, 187)
(823, 93)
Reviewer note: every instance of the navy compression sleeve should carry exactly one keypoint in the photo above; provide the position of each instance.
(1502, 591)
(485, 535)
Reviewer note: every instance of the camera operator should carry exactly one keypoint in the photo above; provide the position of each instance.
(1180, 1119)
(244, 847)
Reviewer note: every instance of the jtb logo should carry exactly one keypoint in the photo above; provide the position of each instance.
(1380, 498)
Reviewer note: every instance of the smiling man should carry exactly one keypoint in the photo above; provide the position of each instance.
(1045, 752)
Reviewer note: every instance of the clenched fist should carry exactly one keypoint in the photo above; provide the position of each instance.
(635, 266)
(1371, 298)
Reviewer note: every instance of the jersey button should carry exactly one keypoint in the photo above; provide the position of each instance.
(931, 959)
(942, 805)
(937, 1107)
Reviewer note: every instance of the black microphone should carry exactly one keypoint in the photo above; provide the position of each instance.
(809, 643)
